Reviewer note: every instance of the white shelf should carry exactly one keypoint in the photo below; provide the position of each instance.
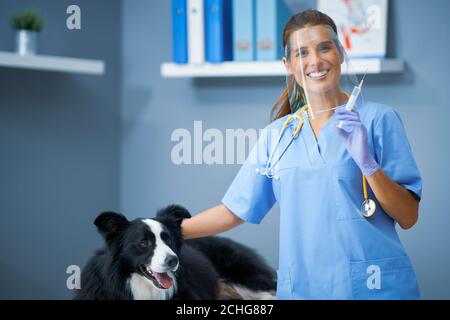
(51, 63)
(267, 68)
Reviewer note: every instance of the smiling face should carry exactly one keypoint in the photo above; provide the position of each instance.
(314, 59)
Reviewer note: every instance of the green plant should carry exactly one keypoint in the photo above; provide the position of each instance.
(27, 20)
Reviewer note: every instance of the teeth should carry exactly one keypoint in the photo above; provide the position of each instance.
(318, 74)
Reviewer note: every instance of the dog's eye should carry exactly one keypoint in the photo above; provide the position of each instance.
(144, 243)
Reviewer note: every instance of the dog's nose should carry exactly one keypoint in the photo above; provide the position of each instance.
(171, 261)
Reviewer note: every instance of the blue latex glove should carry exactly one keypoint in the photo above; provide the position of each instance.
(354, 135)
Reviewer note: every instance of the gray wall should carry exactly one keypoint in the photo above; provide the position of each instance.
(153, 107)
(59, 149)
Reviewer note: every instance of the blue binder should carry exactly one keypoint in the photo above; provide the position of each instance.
(271, 16)
(218, 28)
(244, 39)
(179, 31)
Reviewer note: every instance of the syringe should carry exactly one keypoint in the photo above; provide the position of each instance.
(351, 102)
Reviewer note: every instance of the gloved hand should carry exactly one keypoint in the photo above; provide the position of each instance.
(354, 135)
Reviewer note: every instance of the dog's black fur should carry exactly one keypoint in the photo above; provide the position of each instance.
(206, 265)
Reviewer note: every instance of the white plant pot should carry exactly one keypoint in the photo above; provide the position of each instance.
(26, 42)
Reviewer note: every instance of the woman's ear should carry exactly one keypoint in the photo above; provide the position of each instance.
(341, 52)
(287, 66)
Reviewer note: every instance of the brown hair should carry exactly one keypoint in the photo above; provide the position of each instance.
(298, 21)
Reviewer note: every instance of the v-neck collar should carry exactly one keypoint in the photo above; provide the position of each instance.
(324, 127)
(317, 146)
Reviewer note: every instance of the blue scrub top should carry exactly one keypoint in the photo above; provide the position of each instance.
(327, 249)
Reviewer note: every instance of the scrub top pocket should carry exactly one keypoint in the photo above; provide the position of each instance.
(391, 278)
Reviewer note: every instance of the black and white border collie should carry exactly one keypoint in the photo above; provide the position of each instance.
(147, 259)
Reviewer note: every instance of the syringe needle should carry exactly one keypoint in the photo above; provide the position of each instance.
(362, 80)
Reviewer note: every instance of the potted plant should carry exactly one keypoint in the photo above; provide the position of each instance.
(27, 25)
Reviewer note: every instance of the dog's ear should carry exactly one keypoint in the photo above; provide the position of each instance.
(175, 213)
(109, 224)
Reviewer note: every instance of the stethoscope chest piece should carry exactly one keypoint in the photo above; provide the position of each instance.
(368, 208)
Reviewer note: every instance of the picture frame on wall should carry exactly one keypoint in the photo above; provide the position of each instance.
(362, 25)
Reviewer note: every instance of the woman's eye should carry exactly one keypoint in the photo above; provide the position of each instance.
(144, 243)
(304, 53)
(324, 48)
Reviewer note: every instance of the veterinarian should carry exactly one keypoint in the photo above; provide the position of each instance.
(342, 178)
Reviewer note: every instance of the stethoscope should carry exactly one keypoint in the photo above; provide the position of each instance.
(368, 207)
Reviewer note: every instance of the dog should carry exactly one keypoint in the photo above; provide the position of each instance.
(148, 259)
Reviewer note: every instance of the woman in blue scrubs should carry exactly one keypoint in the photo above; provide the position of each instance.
(328, 250)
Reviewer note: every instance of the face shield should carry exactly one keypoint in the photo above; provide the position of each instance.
(319, 74)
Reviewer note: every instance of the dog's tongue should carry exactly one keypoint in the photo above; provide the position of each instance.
(164, 280)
